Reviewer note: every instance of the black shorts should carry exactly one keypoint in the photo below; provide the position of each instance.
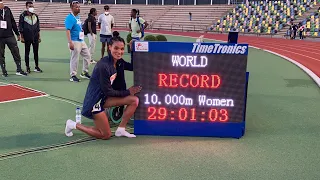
(95, 109)
(105, 38)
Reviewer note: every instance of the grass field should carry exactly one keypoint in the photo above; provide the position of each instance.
(281, 140)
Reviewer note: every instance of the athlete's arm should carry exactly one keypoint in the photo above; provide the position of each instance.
(99, 22)
(89, 26)
(142, 21)
(68, 25)
(106, 84)
(112, 22)
(14, 25)
(128, 66)
(145, 25)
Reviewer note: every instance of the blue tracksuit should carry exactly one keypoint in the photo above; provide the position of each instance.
(106, 81)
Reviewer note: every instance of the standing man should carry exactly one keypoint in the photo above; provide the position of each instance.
(295, 28)
(91, 31)
(29, 28)
(136, 25)
(77, 46)
(7, 24)
(106, 23)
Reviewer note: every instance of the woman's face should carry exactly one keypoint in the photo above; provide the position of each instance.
(117, 50)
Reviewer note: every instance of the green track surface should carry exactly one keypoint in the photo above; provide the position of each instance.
(281, 140)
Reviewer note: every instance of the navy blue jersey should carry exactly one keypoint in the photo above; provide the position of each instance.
(120, 82)
(100, 85)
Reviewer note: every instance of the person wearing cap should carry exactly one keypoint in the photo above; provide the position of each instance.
(7, 26)
(29, 28)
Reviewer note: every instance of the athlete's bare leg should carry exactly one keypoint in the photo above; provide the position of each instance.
(132, 104)
(102, 127)
(103, 49)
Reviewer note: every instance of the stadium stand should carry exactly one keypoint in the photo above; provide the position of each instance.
(311, 24)
(262, 17)
(168, 17)
(177, 17)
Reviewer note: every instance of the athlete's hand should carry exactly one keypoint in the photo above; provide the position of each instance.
(138, 31)
(71, 46)
(18, 37)
(22, 39)
(135, 89)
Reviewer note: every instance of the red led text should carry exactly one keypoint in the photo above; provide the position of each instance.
(189, 81)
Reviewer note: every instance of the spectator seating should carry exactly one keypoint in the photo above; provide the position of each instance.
(262, 16)
(159, 17)
(311, 24)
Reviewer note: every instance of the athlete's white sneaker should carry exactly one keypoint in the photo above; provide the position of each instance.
(122, 132)
(70, 125)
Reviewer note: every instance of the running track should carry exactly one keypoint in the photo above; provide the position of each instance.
(306, 53)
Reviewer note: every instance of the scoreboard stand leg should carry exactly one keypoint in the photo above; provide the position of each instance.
(245, 103)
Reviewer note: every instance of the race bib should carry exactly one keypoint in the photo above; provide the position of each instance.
(3, 24)
(81, 35)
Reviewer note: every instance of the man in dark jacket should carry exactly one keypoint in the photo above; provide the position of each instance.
(29, 28)
(8, 24)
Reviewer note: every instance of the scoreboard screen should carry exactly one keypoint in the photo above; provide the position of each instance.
(190, 89)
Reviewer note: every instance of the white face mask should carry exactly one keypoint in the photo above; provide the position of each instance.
(31, 10)
(106, 13)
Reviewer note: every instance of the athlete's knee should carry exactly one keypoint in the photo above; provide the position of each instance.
(106, 136)
(134, 100)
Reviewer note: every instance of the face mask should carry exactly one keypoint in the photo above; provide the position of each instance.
(31, 10)
(106, 13)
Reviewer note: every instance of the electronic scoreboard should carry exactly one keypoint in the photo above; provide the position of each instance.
(190, 89)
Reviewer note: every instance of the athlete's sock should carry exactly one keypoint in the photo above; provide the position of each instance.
(70, 125)
(122, 132)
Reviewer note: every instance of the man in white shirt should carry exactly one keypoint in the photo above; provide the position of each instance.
(105, 22)
(135, 25)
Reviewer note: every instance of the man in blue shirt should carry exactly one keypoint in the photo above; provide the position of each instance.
(76, 43)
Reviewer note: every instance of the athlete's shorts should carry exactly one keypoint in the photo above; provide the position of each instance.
(98, 107)
(105, 38)
(88, 110)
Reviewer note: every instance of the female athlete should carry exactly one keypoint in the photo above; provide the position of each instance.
(100, 95)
